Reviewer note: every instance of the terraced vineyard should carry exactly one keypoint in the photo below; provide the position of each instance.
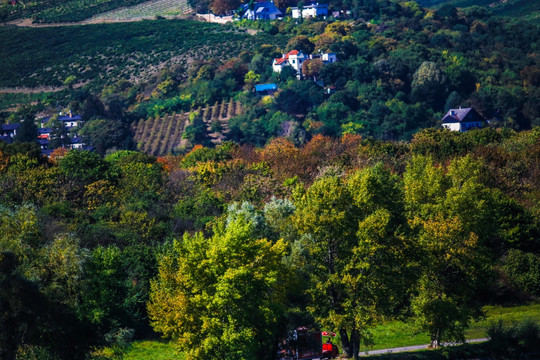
(145, 10)
(163, 135)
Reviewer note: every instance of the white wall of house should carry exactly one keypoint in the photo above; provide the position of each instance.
(296, 62)
(329, 57)
(309, 11)
(453, 126)
(464, 126)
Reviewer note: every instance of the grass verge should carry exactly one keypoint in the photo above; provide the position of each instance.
(389, 335)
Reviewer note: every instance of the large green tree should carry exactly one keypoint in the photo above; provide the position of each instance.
(220, 298)
(355, 236)
(451, 219)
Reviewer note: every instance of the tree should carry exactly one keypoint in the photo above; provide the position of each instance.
(220, 297)
(300, 43)
(222, 7)
(454, 268)
(84, 165)
(59, 136)
(251, 79)
(357, 251)
(105, 134)
(312, 68)
(26, 132)
(429, 84)
(451, 219)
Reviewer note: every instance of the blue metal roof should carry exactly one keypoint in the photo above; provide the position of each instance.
(6, 138)
(10, 127)
(265, 87)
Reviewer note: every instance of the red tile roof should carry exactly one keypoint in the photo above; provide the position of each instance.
(292, 52)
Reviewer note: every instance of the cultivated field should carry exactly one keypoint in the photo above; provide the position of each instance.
(146, 10)
(163, 135)
(104, 53)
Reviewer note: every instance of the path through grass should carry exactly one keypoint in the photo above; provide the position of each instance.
(397, 333)
(390, 335)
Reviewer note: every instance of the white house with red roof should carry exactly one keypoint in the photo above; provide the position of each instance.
(463, 119)
(293, 58)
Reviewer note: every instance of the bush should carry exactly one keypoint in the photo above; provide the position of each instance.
(513, 341)
(524, 271)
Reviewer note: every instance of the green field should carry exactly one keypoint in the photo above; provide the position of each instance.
(58, 11)
(390, 335)
(146, 10)
(10, 100)
(103, 53)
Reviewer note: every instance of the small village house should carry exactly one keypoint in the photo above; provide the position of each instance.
(312, 10)
(463, 120)
(261, 10)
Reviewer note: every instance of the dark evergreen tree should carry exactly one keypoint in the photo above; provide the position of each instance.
(26, 132)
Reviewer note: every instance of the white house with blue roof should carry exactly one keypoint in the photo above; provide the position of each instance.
(261, 10)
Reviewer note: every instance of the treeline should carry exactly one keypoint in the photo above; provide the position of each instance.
(225, 248)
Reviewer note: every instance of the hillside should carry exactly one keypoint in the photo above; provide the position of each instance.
(163, 135)
(103, 53)
(524, 9)
(146, 10)
(56, 11)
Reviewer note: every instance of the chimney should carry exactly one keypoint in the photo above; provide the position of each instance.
(70, 115)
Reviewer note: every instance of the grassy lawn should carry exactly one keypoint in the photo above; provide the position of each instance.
(155, 350)
(390, 335)
(397, 333)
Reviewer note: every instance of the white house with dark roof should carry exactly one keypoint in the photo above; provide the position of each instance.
(463, 119)
(262, 10)
(311, 10)
(9, 129)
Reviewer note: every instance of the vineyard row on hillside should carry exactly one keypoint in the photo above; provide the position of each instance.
(163, 135)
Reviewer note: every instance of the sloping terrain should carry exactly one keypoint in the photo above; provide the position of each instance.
(104, 53)
(57, 11)
(145, 10)
(526, 9)
(163, 135)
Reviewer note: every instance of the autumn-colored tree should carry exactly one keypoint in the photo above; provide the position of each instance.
(300, 43)
(223, 7)
(311, 68)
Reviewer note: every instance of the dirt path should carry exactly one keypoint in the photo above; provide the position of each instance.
(29, 23)
(23, 90)
(413, 348)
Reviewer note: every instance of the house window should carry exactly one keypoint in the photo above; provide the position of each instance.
(293, 61)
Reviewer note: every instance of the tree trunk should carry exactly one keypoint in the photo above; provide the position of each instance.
(355, 344)
(435, 339)
(345, 343)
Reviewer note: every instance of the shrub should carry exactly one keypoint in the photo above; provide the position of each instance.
(524, 270)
